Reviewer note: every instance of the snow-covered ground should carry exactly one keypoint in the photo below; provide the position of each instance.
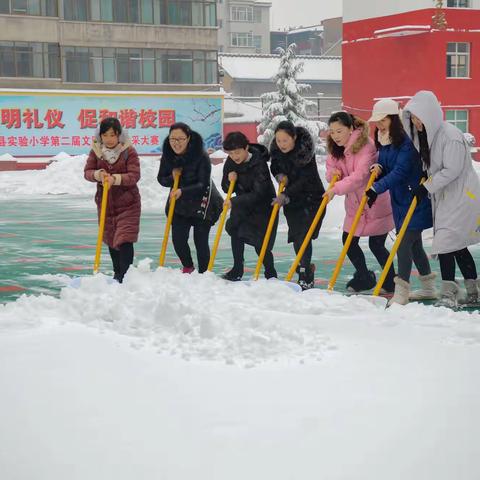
(172, 376)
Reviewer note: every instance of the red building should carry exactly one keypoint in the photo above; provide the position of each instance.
(394, 49)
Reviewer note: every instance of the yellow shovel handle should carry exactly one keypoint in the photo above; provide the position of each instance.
(309, 234)
(351, 234)
(268, 233)
(166, 233)
(221, 223)
(101, 227)
(396, 244)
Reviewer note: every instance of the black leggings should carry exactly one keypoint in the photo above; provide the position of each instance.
(376, 243)
(180, 232)
(122, 258)
(238, 249)
(465, 263)
(307, 255)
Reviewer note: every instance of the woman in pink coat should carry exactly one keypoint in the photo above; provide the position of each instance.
(351, 154)
(114, 160)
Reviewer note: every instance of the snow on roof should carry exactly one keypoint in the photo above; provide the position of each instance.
(236, 111)
(264, 67)
(402, 30)
(312, 28)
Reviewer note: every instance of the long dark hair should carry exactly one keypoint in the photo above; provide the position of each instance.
(422, 143)
(288, 127)
(396, 131)
(347, 120)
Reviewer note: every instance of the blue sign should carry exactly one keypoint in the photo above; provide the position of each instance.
(44, 123)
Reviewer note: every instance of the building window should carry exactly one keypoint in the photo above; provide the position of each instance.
(458, 60)
(458, 3)
(45, 8)
(459, 118)
(257, 15)
(257, 42)
(241, 14)
(135, 65)
(148, 12)
(241, 39)
(23, 59)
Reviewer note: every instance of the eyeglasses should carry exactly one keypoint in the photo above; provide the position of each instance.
(177, 140)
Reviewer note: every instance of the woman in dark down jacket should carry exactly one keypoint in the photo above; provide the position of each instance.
(114, 160)
(251, 206)
(198, 202)
(293, 160)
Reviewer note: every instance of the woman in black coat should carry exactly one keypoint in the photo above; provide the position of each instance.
(293, 160)
(198, 202)
(251, 205)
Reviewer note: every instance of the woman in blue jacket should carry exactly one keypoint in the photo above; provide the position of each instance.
(399, 170)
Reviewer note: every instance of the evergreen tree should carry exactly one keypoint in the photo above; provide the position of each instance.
(287, 103)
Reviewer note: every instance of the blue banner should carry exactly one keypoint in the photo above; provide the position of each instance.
(37, 123)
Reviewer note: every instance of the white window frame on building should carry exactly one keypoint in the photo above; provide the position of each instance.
(458, 60)
(241, 39)
(241, 13)
(458, 118)
(459, 4)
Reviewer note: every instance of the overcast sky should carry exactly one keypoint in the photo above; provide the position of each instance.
(289, 13)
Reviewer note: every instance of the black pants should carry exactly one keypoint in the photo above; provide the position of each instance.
(465, 263)
(121, 259)
(411, 250)
(376, 243)
(307, 255)
(238, 249)
(181, 231)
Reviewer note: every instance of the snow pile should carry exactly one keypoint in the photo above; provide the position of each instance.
(6, 157)
(205, 318)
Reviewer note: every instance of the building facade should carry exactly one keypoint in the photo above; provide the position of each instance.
(244, 26)
(394, 50)
(247, 77)
(322, 39)
(109, 44)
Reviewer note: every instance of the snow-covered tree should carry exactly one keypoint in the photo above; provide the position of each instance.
(287, 103)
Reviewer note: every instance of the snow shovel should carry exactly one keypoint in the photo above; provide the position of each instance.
(171, 209)
(341, 259)
(396, 244)
(101, 227)
(223, 217)
(268, 233)
(309, 234)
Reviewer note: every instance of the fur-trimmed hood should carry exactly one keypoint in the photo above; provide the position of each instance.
(123, 138)
(195, 150)
(259, 155)
(358, 139)
(303, 152)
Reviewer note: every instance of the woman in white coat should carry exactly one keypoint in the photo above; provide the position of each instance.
(454, 189)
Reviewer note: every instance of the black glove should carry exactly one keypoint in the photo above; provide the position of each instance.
(420, 193)
(372, 196)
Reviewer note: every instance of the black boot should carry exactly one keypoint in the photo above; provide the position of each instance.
(306, 277)
(233, 275)
(362, 281)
